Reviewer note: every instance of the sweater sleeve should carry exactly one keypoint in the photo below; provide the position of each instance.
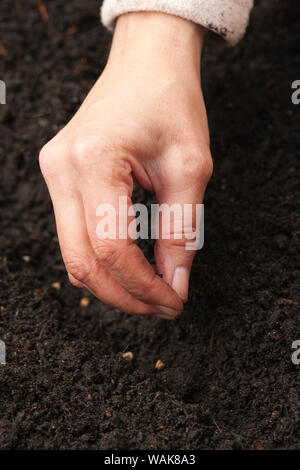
(227, 18)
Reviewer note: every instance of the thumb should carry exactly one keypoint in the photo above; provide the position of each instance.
(180, 228)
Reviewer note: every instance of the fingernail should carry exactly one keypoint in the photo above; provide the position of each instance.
(165, 317)
(167, 312)
(180, 282)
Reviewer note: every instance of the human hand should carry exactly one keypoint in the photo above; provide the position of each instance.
(145, 121)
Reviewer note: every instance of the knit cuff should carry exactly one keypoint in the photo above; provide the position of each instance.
(227, 18)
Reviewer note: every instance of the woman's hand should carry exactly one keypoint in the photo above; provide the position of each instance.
(144, 120)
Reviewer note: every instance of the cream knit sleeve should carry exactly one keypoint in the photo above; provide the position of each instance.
(228, 18)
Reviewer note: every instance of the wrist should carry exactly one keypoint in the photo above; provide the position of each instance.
(167, 40)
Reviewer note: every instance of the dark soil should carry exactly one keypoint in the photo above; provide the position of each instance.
(228, 381)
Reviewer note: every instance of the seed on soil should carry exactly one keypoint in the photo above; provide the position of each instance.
(85, 302)
(3, 52)
(159, 365)
(26, 258)
(275, 414)
(43, 12)
(38, 291)
(128, 356)
(56, 285)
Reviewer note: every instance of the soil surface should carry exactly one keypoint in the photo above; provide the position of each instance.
(228, 381)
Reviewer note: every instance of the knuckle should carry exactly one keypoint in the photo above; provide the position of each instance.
(77, 268)
(207, 168)
(193, 162)
(83, 150)
(48, 159)
(74, 281)
(114, 163)
(107, 253)
(199, 163)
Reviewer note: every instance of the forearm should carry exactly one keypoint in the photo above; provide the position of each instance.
(151, 35)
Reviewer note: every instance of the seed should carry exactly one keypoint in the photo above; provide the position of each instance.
(128, 356)
(159, 365)
(56, 285)
(85, 302)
